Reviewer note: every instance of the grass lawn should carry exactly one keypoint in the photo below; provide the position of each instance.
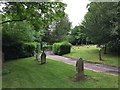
(26, 73)
(91, 54)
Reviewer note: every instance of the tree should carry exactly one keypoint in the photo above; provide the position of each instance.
(79, 37)
(17, 32)
(37, 14)
(98, 22)
(114, 44)
(14, 37)
(57, 31)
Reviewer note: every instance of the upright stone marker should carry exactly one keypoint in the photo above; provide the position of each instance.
(37, 53)
(36, 57)
(80, 69)
(43, 58)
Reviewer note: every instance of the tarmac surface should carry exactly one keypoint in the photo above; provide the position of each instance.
(88, 66)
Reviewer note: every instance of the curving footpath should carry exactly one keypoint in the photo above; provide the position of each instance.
(88, 66)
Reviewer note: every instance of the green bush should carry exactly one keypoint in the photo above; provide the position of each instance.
(29, 49)
(12, 51)
(37, 48)
(19, 50)
(61, 48)
(48, 47)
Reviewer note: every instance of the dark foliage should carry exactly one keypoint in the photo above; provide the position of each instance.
(61, 48)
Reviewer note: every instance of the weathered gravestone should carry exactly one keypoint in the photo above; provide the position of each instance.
(36, 57)
(80, 69)
(37, 53)
(43, 58)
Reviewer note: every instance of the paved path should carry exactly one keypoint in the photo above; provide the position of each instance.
(88, 66)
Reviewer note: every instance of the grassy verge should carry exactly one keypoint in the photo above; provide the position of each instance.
(26, 73)
(91, 54)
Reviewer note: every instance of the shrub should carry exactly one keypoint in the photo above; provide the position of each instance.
(61, 48)
(37, 48)
(29, 49)
(19, 50)
(12, 51)
(48, 47)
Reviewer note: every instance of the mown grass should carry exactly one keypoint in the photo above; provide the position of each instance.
(26, 73)
(91, 54)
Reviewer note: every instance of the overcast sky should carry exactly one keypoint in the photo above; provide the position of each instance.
(76, 9)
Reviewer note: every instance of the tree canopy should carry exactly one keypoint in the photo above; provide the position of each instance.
(25, 22)
(39, 15)
(101, 23)
(41, 12)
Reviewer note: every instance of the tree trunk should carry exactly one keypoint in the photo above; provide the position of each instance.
(41, 45)
(100, 56)
(3, 57)
(105, 49)
(86, 42)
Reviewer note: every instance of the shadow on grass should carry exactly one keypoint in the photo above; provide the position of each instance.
(86, 78)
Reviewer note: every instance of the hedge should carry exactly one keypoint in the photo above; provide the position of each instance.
(48, 47)
(28, 49)
(19, 50)
(61, 48)
(12, 51)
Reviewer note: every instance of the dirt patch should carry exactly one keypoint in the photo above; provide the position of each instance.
(73, 78)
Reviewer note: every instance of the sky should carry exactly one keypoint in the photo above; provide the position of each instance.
(76, 9)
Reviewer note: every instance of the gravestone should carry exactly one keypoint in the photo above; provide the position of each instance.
(36, 57)
(80, 69)
(43, 58)
(37, 53)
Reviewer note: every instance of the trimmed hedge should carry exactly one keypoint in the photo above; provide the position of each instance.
(12, 51)
(19, 50)
(48, 47)
(61, 48)
(28, 49)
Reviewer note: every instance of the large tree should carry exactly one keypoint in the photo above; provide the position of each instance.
(17, 32)
(27, 21)
(35, 12)
(57, 31)
(79, 37)
(99, 22)
(38, 14)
